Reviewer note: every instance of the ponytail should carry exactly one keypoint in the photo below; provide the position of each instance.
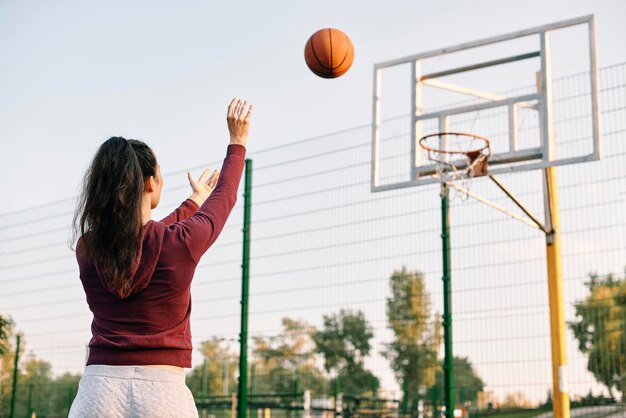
(108, 215)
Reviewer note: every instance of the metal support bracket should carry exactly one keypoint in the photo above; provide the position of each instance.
(531, 219)
(547, 195)
(546, 228)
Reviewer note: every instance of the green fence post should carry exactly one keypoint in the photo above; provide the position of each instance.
(225, 376)
(252, 378)
(435, 400)
(297, 390)
(297, 382)
(205, 378)
(339, 402)
(242, 390)
(448, 376)
(15, 374)
(30, 399)
(70, 398)
(404, 406)
(374, 385)
(337, 390)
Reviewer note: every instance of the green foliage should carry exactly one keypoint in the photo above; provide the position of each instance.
(592, 400)
(6, 326)
(37, 389)
(217, 371)
(62, 393)
(417, 334)
(599, 329)
(517, 413)
(467, 384)
(344, 342)
(357, 380)
(6, 366)
(283, 360)
(35, 384)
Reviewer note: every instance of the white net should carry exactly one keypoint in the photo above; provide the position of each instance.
(458, 156)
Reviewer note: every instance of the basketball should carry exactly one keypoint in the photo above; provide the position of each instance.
(329, 53)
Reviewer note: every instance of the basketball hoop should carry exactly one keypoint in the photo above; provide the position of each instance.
(457, 155)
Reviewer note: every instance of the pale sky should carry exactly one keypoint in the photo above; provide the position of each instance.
(75, 73)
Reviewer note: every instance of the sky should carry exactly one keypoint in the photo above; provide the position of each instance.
(75, 73)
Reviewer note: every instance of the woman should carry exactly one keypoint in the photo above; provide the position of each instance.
(137, 273)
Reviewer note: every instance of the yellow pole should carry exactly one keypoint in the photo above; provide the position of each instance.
(560, 395)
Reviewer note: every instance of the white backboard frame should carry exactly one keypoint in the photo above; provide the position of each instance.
(515, 159)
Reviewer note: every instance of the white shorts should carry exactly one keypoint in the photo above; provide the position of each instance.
(132, 392)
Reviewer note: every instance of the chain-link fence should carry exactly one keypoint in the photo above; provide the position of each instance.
(345, 285)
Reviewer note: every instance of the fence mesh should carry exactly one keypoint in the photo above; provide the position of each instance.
(324, 249)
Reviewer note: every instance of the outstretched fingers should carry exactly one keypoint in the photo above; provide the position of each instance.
(239, 109)
(239, 113)
(192, 182)
(231, 107)
(248, 114)
(234, 109)
(212, 182)
(204, 176)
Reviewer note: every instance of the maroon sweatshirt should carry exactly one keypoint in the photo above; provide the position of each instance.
(151, 324)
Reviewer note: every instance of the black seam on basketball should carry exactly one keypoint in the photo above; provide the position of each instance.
(330, 39)
(345, 56)
(316, 57)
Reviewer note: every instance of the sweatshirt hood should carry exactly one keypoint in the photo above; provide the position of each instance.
(143, 268)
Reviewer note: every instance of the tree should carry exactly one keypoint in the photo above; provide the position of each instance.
(467, 383)
(62, 393)
(37, 390)
(6, 361)
(5, 330)
(417, 335)
(599, 329)
(35, 385)
(515, 400)
(344, 342)
(217, 371)
(286, 359)
(6, 364)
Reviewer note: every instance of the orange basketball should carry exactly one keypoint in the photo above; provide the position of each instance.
(329, 53)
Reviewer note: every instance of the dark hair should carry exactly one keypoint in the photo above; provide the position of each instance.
(107, 221)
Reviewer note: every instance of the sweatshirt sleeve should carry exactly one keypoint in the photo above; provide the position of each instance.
(184, 211)
(199, 231)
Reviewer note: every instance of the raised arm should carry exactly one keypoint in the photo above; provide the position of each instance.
(200, 231)
(184, 211)
(201, 190)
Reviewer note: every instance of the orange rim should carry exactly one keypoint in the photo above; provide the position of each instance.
(422, 143)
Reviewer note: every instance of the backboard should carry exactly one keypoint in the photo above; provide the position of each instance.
(506, 88)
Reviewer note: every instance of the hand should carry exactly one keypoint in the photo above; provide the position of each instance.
(202, 188)
(238, 119)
